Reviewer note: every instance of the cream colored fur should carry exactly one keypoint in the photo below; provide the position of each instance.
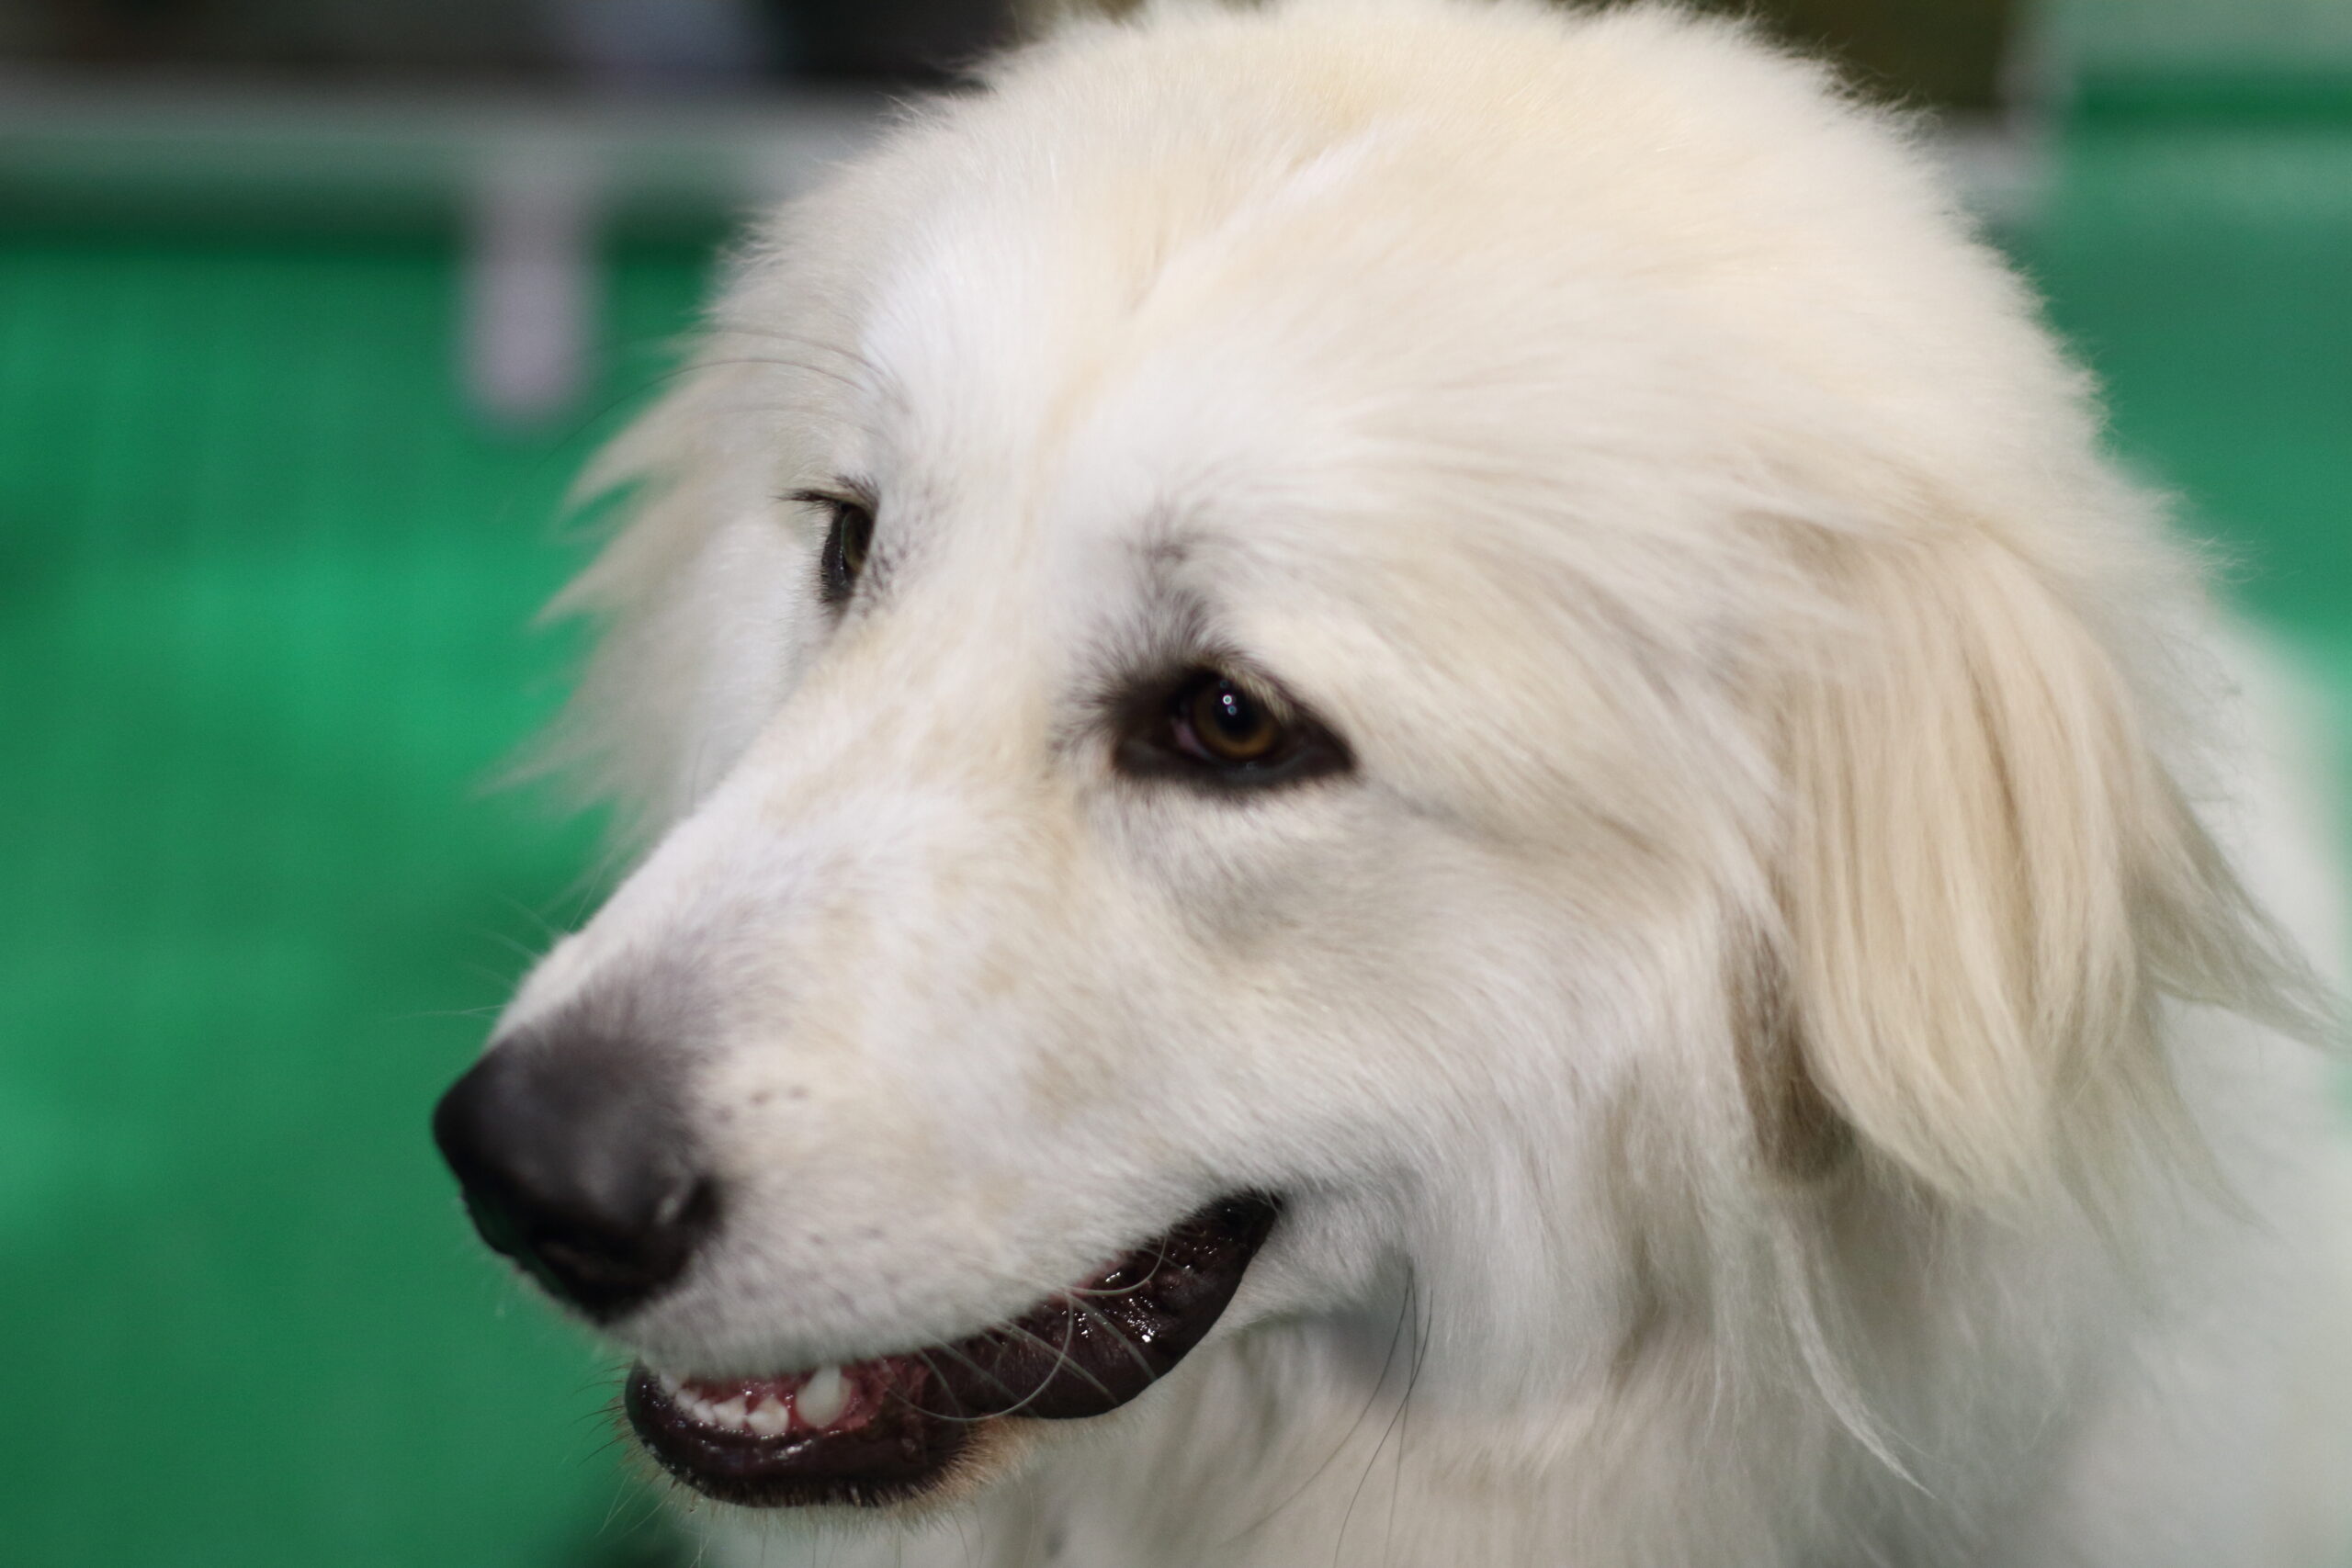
(1770, 1055)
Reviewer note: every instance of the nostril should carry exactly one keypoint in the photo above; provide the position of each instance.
(619, 1262)
(576, 1162)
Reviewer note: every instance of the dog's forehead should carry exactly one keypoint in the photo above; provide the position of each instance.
(1113, 330)
(1156, 402)
(1512, 255)
(1112, 334)
(1576, 348)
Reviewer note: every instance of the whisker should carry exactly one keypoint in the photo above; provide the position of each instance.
(1412, 1298)
(1158, 1261)
(803, 340)
(1127, 1342)
(1395, 1338)
(527, 954)
(1420, 1353)
(1065, 1359)
(488, 1010)
(924, 1356)
(1062, 1358)
(536, 917)
(1015, 1409)
(776, 362)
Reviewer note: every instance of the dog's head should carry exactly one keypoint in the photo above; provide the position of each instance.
(1447, 642)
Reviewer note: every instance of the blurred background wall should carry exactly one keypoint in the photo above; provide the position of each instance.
(308, 311)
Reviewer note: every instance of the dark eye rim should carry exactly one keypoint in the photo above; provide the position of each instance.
(1151, 741)
(851, 511)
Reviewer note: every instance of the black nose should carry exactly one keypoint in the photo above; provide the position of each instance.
(577, 1164)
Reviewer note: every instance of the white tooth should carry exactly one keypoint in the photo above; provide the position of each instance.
(669, 1385)
(698, 1407)
(824, 1397)
(770, 1418)
(729, 1412)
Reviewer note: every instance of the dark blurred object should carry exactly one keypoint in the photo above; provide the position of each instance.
(470, 35)
(1947, 53)
(914, 39)
(629, 44)
(1938, 53)
(1944, 53)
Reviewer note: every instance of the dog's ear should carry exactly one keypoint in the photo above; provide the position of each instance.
(1987, 879)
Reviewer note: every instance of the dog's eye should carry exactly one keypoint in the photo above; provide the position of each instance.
(1222, 723)
(845, 543)
(1213, 728)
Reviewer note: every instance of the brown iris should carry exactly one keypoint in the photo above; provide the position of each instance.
(1226, 723)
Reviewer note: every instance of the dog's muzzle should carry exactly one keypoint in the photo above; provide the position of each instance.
(577, 1164)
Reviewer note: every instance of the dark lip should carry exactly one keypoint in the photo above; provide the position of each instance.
(1084, 1351)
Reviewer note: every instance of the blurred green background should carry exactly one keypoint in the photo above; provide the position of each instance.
(263, 586)
(265, 571)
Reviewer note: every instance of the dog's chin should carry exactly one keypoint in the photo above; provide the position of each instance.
(925, 1425)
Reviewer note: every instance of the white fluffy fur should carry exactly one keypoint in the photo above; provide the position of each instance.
(1765, 1059)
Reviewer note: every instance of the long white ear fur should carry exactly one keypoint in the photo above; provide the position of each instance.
(1989, 882)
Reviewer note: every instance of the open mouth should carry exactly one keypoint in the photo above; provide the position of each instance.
(896, 1427)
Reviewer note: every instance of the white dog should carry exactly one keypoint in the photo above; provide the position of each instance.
(1472, 660)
